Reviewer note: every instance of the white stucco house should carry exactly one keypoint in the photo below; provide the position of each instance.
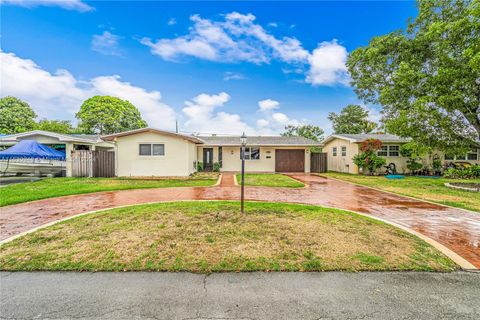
(153, 152)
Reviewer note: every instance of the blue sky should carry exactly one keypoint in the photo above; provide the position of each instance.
(216, 67)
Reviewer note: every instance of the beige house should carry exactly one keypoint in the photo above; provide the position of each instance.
(341, 148)
(152, 152)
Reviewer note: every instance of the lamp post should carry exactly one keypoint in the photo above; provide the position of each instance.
(243, 140)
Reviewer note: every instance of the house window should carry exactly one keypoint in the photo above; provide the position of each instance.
(334, 151)
(393, 151)
(344, 151)
(149, 149)
(472, 155)
(251, 153)
(383, 152)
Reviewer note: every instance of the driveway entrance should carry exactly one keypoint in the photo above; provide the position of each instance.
(456, 229)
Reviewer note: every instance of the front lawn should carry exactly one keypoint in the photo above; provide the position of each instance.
(55, 187)
(215, 236)
(429, 189)
(269, 180)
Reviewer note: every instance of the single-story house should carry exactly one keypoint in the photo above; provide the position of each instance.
(153, 152)
(341, 148)
(62, 142)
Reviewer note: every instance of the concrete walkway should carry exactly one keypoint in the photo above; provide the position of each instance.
(329, 295)
(456, 229)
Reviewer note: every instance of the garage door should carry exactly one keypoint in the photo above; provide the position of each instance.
(289, 160)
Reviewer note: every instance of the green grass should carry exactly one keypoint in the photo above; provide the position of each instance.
(215, 237)
(269, 180)
(55, 187)
(422, 188)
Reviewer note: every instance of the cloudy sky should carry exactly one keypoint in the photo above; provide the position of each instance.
(215, 67)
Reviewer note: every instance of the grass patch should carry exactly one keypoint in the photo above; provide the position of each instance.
(55, 187)
(215, 237)
(428, 189)
(269, 180)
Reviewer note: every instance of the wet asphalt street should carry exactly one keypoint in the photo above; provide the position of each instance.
(330, 295)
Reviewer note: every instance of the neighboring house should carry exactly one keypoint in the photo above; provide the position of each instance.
(61, 142)
(341, 148)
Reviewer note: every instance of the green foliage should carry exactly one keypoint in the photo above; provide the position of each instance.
(414, 153)
(307, 131)
(216, 167)
(414, 165)
(199, 166)
(426, 77)
(472, 172)
(15, 116)
(58, 126)
(353, 119)
(106, 115)
(368, 158)
(437, 163)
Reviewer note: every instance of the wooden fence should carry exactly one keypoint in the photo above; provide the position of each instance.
(318, 162)
(86, 163)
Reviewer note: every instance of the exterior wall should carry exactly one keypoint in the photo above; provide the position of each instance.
(231, 159)
(177, 161)
(345, 164)
(341, 163)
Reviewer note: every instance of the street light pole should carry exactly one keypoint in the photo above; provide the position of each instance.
(243, 140)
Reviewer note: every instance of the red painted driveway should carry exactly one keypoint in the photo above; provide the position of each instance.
(457, 229)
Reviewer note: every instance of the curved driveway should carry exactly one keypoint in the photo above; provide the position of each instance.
(456, 229)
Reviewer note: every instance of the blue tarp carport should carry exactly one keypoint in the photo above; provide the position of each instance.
(31, 149)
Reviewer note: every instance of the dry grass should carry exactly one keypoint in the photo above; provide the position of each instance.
(214, 236)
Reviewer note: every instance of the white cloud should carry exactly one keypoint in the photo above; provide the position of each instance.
(172, 21)
(268, 105)
(106, 43)
(202, 116)
(77, 5)
(59, 95)
(273, 24)
(327, 64)
(262, 123)
(272, 122)
(233, 76)
(237, 37)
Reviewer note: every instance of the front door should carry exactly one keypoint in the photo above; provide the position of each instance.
(208, 159)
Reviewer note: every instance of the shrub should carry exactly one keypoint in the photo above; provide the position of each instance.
(199, 166)
(368, 158)
(472, 172)
(216, 167)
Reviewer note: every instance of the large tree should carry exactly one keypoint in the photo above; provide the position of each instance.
(307, 131)
(105, 115)
(15, 116)
(426, 77)
(58, 126)
(353, 119)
